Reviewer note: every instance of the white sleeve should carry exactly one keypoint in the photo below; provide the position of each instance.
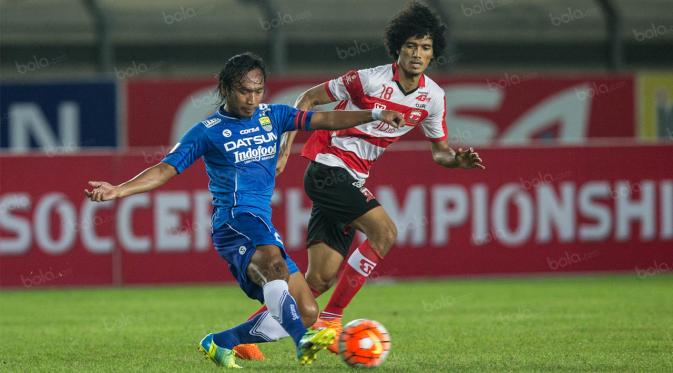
(434, 126)
(350, 86)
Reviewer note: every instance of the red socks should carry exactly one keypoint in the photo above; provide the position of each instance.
(360, 264)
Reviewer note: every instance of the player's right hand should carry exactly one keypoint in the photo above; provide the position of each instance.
(101, 191)
(393, 118)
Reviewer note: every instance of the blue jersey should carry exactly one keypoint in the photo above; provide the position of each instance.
(240, 156)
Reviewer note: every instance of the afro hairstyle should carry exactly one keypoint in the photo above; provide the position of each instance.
(414, 20)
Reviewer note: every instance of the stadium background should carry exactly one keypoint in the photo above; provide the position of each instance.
(569, 103)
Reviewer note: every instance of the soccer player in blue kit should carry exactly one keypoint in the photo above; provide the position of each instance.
(239, 144)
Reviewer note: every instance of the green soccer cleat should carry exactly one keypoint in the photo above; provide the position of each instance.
(221, 356)
(313, 341)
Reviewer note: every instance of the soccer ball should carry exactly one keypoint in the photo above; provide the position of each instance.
(364, 343)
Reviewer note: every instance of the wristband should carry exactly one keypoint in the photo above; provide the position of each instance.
(376, 113)
(307, 121)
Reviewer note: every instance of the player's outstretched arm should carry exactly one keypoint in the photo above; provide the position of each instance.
(306, 101)
(342, 119)
(147, 180)
(443, 155)
(313, 97)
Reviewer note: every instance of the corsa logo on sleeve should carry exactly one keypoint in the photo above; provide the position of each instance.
(249, 130)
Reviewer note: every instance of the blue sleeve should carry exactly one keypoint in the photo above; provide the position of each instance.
(291, 119)
(191, 147)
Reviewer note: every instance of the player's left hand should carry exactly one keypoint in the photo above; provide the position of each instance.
(468, 159)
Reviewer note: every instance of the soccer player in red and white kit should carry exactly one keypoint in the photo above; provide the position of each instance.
(341, 160)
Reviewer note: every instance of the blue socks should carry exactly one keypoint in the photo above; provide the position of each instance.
(284, 309)
(240, 334)
(281, 319)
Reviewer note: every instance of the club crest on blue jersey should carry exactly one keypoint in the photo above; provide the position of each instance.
(266, 123)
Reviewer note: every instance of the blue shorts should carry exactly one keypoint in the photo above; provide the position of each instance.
(236, 241)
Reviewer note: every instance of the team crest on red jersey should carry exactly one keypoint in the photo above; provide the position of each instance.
(414, 116)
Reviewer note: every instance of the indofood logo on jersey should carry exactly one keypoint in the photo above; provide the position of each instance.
(259, 153)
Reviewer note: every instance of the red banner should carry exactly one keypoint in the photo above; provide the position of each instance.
(510, 109)
(555, 209)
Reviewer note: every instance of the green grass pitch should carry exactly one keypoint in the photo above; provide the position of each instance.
(575, 324)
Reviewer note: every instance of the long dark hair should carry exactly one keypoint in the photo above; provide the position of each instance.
(235, 69)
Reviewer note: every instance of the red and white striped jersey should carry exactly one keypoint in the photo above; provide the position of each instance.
(356, 149)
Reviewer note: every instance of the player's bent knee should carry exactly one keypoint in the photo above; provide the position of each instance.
(318, 282)
(384, 239)
(391, 234)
